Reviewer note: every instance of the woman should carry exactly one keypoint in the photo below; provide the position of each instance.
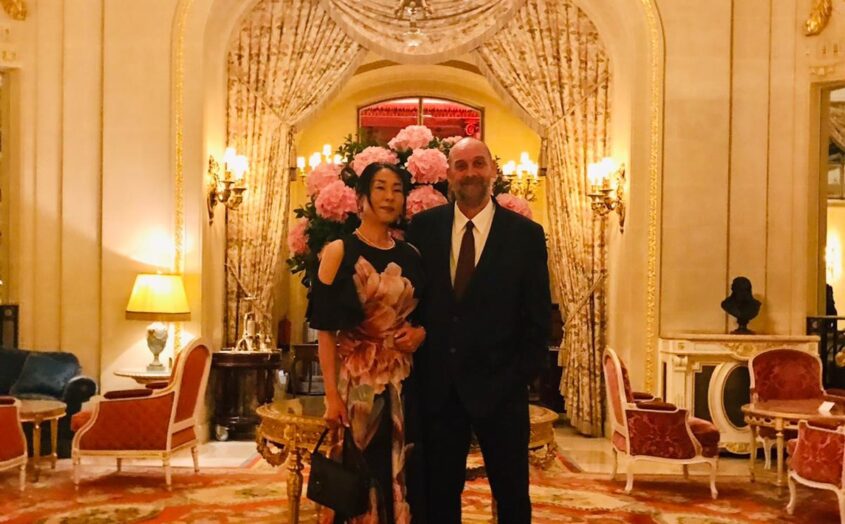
(360, 303)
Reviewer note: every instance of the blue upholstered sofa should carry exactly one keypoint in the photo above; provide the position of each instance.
(46, 375)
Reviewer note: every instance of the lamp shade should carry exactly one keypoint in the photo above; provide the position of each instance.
(158, 297)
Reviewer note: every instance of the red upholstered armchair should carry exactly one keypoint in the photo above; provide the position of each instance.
(816, 461)
(149, 423)
(654, 430)
(787, 374)
(12, 440)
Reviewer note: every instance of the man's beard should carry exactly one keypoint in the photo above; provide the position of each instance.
(472, 191)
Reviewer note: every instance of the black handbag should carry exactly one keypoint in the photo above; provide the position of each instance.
(336, 486)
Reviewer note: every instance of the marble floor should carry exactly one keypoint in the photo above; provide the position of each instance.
(591, 455)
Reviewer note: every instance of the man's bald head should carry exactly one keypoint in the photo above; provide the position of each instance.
(471, 174)
(468, 142)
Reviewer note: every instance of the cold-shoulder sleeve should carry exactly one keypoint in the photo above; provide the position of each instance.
(336, 306)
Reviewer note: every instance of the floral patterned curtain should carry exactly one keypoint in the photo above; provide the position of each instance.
(451, 28)
(287, 59)
(549, 60)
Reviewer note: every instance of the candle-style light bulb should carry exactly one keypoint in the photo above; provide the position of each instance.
(314, 160)
(300, 163)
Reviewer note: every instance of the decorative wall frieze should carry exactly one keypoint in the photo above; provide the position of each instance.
(9, 46)
(15, 8)
(825, 45)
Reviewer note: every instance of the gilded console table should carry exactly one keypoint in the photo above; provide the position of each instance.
(289, 431)
(708, 375)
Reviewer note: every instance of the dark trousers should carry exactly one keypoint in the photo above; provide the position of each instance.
(503, 437)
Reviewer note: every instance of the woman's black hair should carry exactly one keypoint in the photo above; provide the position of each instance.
(364, 186)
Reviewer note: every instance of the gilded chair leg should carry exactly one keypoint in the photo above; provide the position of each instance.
(790, 506)
(167, 478)
(76, 471)
(195, 454)
(22, 476)
(615, 464)
(767, 453)
(686, 471)
(714, 470)
(629, 485)
(119, 464)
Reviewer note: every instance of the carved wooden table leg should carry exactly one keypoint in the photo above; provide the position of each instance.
(36, 448)
(752, 458)
(54, 441)
(294, 484)
(779, 429)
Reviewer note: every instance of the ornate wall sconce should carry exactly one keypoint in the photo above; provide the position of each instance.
(523, 177)
(226, 181)
(607, 188)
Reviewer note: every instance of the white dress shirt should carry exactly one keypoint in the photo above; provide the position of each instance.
(481, 230)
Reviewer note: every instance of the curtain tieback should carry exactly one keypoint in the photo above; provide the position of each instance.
(582, 301)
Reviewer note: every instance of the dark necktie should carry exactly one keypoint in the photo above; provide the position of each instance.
(466, 262)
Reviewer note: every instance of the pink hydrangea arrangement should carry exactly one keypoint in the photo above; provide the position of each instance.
(322, 175)
(332, 207)
(298, 238)
(336, 201)
(373, 154)
(427, 166)
(412, 137)
(422, 198)
(514, 203)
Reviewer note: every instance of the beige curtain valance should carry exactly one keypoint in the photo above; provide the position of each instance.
(452, 29)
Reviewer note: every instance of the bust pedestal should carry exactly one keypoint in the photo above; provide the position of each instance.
(708, 375)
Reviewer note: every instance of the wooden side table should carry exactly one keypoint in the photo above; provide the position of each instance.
(143, 376)
(36, 412)
(242, 381)
(781, 415)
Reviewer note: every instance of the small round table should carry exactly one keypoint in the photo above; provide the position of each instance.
(781, 415)
(144, 376)
(36, 412)
(289, 431)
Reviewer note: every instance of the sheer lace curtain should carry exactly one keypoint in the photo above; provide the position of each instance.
(550, 62)
(287, 59)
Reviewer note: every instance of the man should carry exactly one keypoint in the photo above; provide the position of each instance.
(486, 310)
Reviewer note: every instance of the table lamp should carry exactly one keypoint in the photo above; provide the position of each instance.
(160, 298)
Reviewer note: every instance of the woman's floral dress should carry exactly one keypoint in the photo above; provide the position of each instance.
(371, 297)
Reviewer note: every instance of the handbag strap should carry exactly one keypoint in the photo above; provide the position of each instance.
(320, 441)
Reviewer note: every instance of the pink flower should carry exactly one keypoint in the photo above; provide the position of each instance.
(422, 198)
(412, 137)
(297, 238)
(514, 203)
(336, 201)
(373, 154)
(322, 175)
(428, 166)
(452, 140)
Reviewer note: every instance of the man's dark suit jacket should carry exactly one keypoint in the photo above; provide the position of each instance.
(490, 344)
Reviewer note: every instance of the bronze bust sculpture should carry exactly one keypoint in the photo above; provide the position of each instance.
(741, 305)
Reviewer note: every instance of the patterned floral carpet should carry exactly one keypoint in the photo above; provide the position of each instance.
(258, 495)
